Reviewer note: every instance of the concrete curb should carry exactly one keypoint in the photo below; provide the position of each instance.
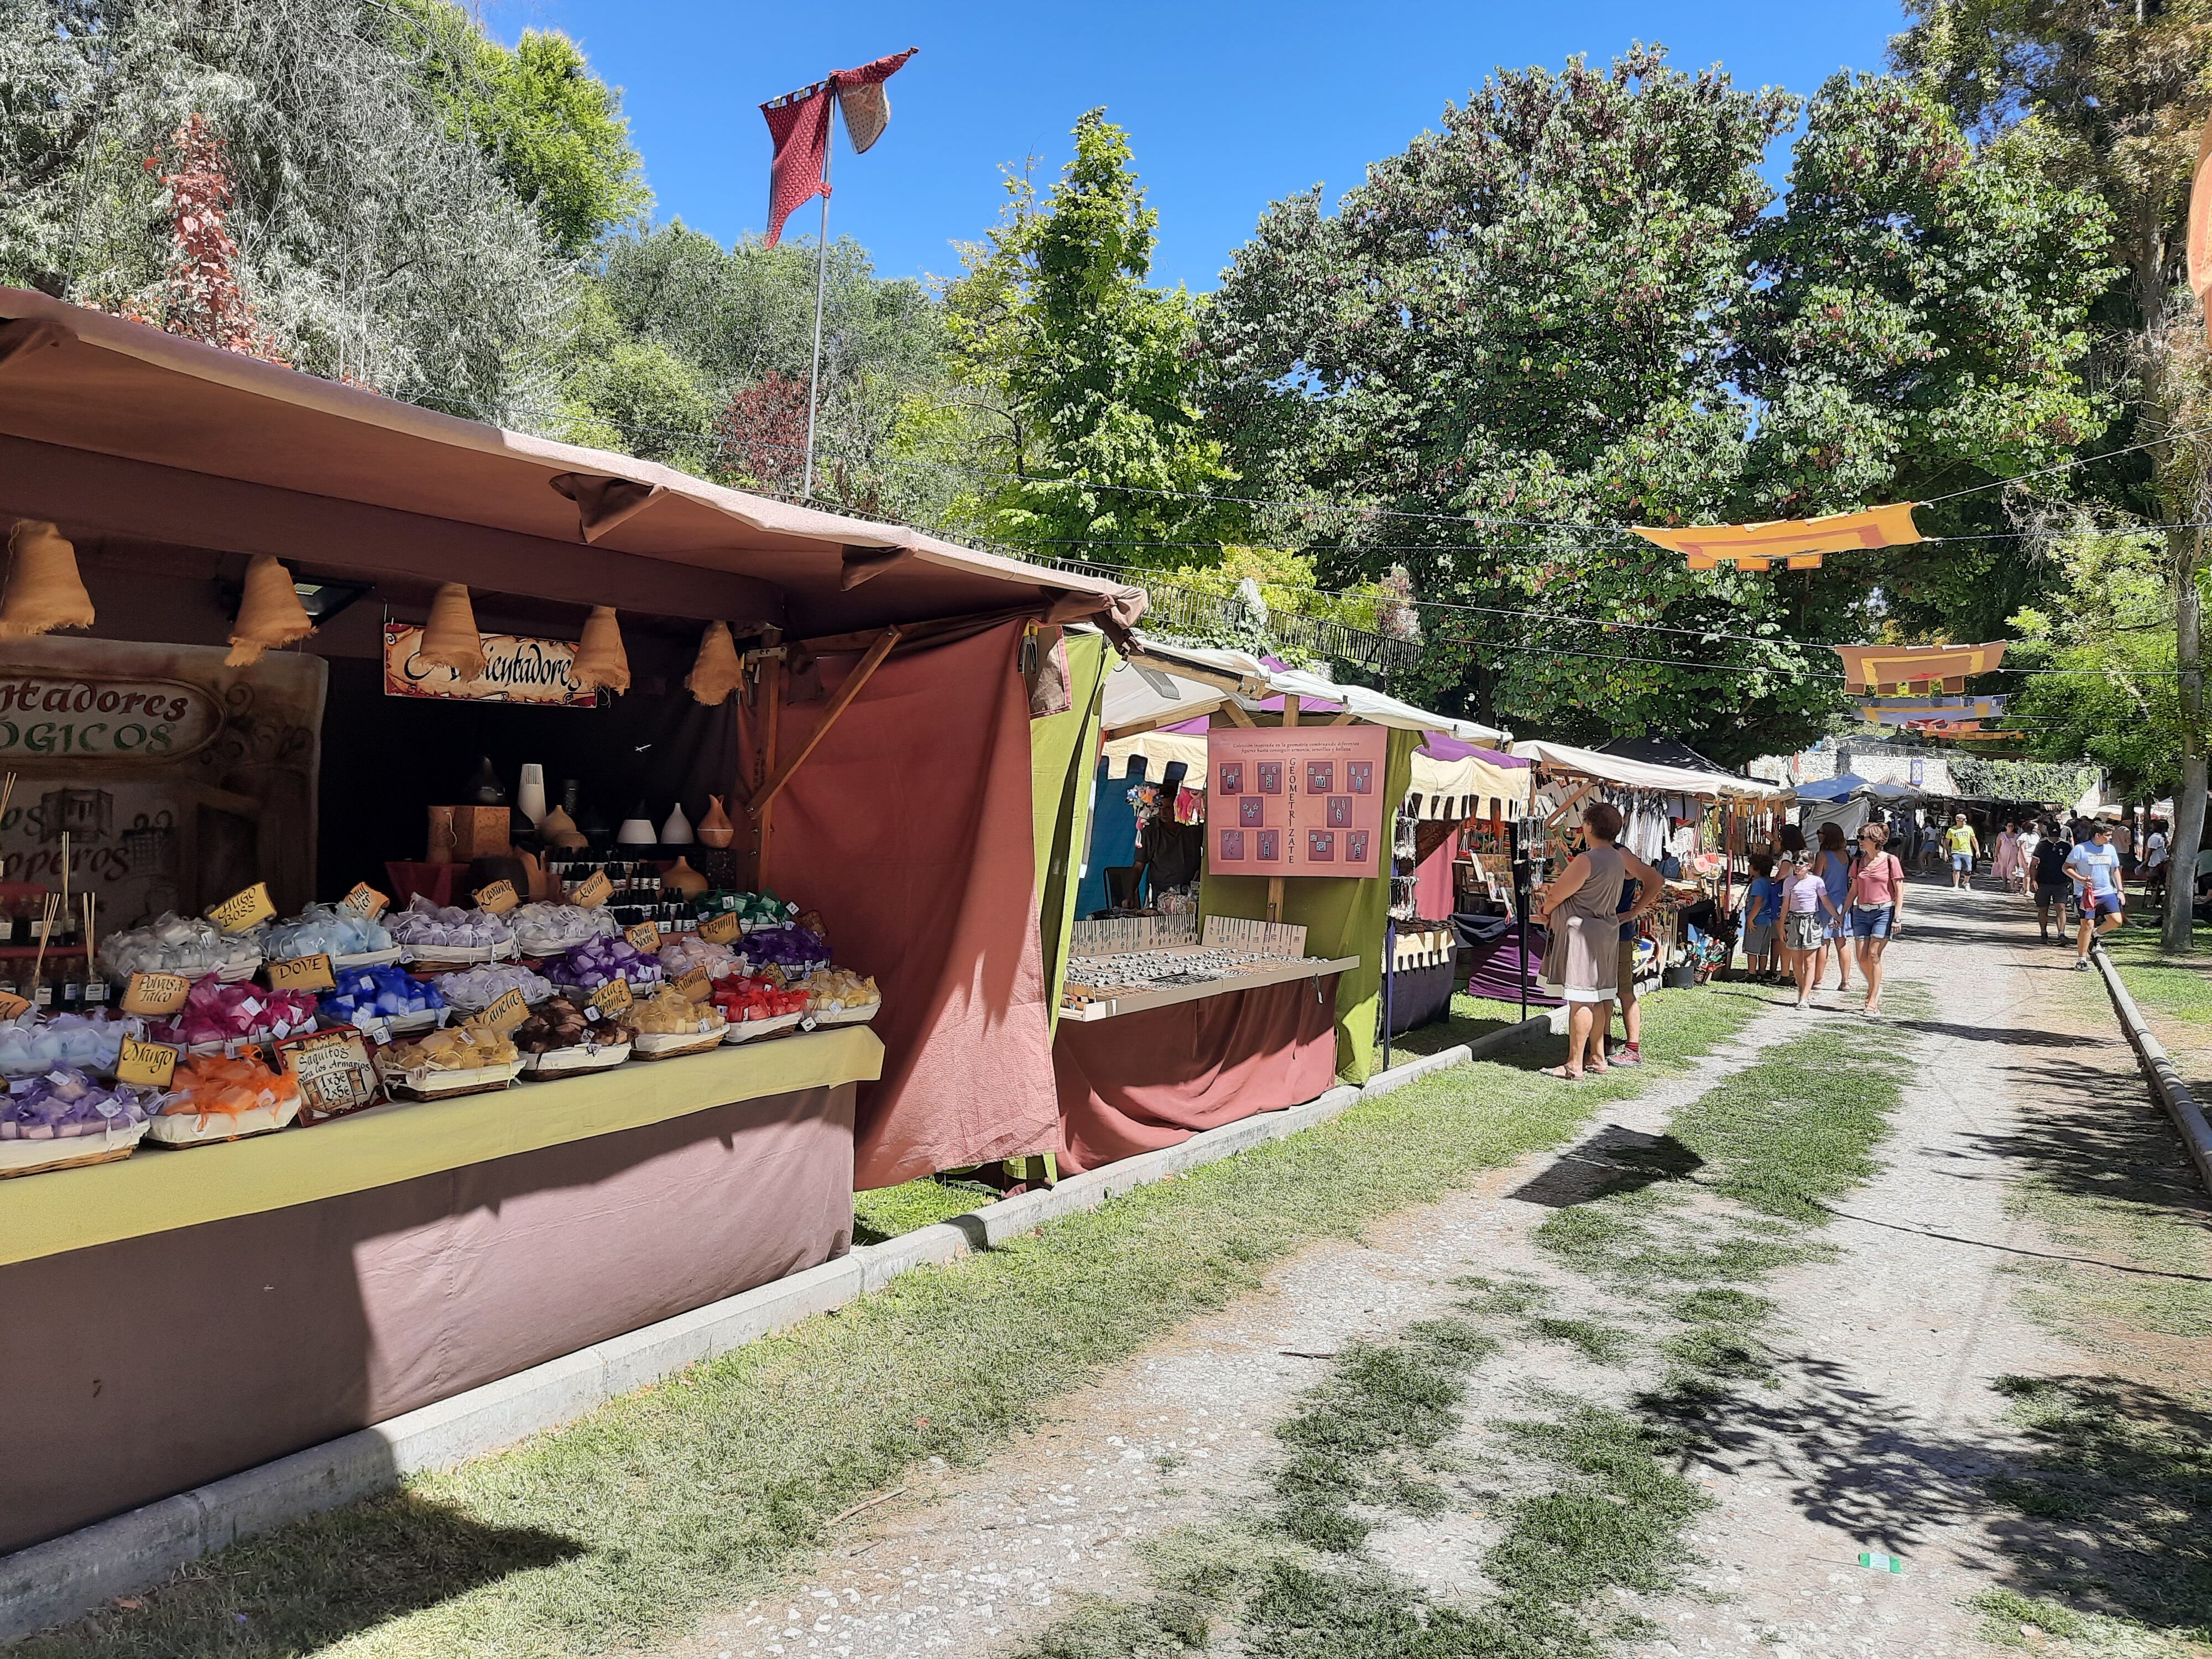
(50, 1583)
(2165, 1078)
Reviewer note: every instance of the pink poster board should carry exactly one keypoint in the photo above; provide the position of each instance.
(1295, 800)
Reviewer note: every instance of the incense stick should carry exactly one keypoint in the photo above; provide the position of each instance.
(45, 931)
(91, 903)
(7, 794)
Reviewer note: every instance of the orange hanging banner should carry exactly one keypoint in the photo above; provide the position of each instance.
(1798, 542)
(1899, 669)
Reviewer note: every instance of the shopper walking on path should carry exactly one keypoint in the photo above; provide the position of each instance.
(1805, 907)
(1832, 864)
(1965, 847)
(2157, 855)
(2048, 869)
(1581, 913)
(2095, 867)
(1877, 909)
(2006, 862)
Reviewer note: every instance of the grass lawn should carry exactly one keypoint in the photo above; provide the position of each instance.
(1471, 1017)
(620, 1529)
(2178, 987)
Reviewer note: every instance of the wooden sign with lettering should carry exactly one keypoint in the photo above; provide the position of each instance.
(594, 891)
(243, 910)
(696, 985)
(721, 929)
(334, 1071)
(612, 999)
(506, 1012)
(147, 1065)
(644, 937)
(155, 994)
(497, 899)
(302, 973)
(364, 901)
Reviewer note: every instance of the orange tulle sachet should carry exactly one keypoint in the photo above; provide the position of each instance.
(209, 1085)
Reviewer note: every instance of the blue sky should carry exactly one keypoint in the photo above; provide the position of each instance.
(1229, 106)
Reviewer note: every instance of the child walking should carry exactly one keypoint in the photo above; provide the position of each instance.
(1806, 908)
(1762, 908)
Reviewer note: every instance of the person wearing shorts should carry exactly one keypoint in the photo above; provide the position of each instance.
(1965, 847)
(2094, 866)
(1762, 910)
(2047, 871)
(1805, 902)
(1876, 908)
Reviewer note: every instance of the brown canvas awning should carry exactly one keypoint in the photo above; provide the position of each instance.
(112, 427)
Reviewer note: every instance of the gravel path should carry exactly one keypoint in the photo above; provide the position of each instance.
(1875, 1438)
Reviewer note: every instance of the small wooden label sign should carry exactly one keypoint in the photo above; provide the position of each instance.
(594, 891)
(722, 927)
(612, 999)
(147, 1065)
(333, 1068)
(243, 910)
(497, 899)
(155, 994)
(302, 973)
(12, 1006)
(365, 901)
(695, 985)
(644, 937)
(507, 1012)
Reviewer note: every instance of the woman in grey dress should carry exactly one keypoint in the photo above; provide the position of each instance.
(1582, 912)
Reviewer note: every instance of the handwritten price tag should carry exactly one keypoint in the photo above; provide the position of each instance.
(695, 985)
(644, 937)
(506, 1012)
(722, 928)
(333, 1069)
(594, 891)
(243, 910)
(365, 901)
(612, 999)
(155, 994)
(497, 899)
(147, 1065)
(12, 1005)
(302, 973)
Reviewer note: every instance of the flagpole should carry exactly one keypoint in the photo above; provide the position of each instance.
(821, 277)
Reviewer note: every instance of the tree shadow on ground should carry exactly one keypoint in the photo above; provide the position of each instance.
(310, 1584)
(1611, 1162)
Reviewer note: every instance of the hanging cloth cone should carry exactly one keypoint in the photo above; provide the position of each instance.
(600, 658)
(270, 613)
(450, 639)
(718, 671)
(44, 591)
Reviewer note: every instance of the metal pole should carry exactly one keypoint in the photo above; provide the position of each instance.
(821, 277)
(1518, 847)
(1389, 966)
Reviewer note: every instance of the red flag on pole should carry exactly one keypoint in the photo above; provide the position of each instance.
(799, 124)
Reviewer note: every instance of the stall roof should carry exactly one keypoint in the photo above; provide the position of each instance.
(1443, 784)
(1643, 774)
(1161, 684)
(113, 427)
(1846, 785)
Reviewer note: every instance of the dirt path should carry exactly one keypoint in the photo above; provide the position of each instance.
(1873, 1427)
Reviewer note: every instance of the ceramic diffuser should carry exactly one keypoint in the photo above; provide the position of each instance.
(637, 829)
(450, 639)
(676, 832)
(715, 829)
(270, 614)
(44, 590)
(600, 658)
(718, 672)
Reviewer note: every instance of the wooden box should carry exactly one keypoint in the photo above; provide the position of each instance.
(480, 832)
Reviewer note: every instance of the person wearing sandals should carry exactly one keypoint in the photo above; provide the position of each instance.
(1581, 916)
(1832, 864)
(1877, 908)
(1805, 902)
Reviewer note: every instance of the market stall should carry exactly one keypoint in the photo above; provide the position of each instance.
(412, 978)
(1223, 1046)
(1847, 801)
(1697, 825)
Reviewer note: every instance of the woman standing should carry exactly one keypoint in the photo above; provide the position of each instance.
(1580, 912)
(1877, 909)
(2006, 862)
(1832, 864)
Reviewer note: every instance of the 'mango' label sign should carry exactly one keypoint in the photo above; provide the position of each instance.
(59, 717)
(517, 669)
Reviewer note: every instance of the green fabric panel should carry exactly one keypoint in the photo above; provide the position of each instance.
(1063, 754)
(1341, 919)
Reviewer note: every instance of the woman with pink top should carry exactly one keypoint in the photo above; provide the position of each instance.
(1877, 906)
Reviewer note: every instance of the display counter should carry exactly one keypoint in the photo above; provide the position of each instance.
(178, 1317)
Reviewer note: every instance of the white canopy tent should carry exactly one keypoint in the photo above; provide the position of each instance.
(1161, 685)
(1628, 773)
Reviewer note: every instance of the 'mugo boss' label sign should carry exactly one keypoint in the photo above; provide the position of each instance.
(59, 717)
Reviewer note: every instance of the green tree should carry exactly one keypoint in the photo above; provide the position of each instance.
(555, 131)
(1078, 377)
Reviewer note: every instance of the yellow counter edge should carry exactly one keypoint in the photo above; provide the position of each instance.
(157, 1190)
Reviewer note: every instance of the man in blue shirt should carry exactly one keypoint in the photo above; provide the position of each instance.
(2095, 867)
